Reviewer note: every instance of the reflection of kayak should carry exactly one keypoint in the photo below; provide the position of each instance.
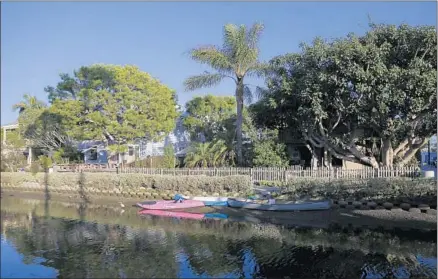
(185, 215)
(210, 201)
(163, 205)
(287, 206)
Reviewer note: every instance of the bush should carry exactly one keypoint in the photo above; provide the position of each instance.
(35, 167)
(395, 189)
(12, 159)
(45, 161)
(135, 182)
(268, 152)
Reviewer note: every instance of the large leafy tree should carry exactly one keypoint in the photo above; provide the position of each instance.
(236, 59)
(113, 103)
(367, 99)
(207, 115)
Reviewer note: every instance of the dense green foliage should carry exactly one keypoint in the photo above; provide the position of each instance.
(12, 157)
(269, 152)
(209, 154)
(169, 160)
(113, 103)
(12, 160)
(208, 116)
(367, 99)
(13, 139)
(116, 104)
(211, 122)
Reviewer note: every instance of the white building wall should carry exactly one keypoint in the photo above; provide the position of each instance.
(179, 139)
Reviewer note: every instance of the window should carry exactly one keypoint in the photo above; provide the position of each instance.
(93, 154)
(131, 151)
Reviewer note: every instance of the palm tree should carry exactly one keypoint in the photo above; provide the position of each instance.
(199, 155)
(29, 102)
(236, 59)
(220, 153)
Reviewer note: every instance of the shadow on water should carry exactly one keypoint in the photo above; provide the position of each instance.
(47, 195)
(47, 198)
(82, 210)
(98, 242)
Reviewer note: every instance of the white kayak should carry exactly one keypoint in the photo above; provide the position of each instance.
(210, 201)
(283, 206)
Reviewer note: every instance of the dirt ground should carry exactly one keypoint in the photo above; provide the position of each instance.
(322, 219)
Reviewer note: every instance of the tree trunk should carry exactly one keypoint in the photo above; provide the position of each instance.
(314, 156)
(239, 120)
(387, 153)
(407, 156)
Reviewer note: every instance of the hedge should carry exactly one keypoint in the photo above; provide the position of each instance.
(128, 184)
(395, 189)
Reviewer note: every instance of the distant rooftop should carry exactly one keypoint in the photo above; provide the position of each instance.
(10, 124)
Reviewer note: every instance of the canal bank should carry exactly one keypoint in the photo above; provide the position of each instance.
(373, 192)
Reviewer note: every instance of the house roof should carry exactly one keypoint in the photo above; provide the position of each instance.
(182, 152)
(13, 125)
(87, 144)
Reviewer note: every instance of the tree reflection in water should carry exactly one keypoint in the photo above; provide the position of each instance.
(156, 247)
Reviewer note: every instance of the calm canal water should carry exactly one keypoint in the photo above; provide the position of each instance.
(52, 239)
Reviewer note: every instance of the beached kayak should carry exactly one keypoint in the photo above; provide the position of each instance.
(210, 201)
(284, 206)
(165, 205)
(184, 215)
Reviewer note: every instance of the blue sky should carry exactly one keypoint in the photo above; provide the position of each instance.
(39, 40)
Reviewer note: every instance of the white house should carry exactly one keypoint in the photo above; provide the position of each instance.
(179, 139)
(95, 152)
(28, 152)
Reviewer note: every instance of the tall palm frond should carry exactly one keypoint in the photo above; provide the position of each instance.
(213, 57)
(206, 79)
(29, 102)
(218, 151)
(198, 156)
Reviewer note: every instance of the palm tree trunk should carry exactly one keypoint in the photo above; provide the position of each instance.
(239, 102)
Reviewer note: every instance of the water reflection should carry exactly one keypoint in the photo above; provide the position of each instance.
(86, 242)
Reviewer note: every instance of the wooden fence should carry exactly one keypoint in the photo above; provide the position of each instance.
(257, 174)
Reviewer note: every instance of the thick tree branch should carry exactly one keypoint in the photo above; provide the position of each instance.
(400, 147)
(413, 148)
(351, 154)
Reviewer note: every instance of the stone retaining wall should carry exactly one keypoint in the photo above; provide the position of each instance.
(415, 195)
(372, 205)
(140, 186)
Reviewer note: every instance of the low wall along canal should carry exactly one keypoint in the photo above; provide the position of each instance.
(417, 194)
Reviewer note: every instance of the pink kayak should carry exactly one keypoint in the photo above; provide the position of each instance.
(163, 205)
(186, 215)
